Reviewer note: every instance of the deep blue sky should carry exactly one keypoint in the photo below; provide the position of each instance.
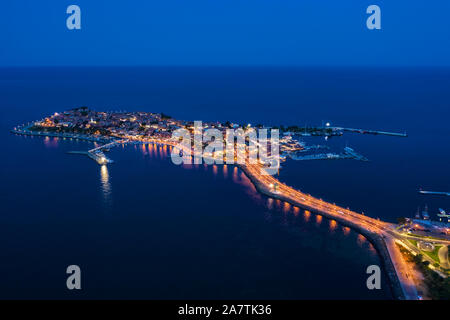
(225, 32)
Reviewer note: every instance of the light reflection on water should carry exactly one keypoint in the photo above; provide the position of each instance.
(346, 231)
(51, 142)
(361, 240)
(333, 225)
(269, 203)
(278, 203)
(105, 184)
(307, 215)
(372, 250)
(318, 219)
(225, 171)
(235, 174)
(286, 207)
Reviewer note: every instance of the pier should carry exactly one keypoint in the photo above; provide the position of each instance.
(99, 157)
(437, 193)
(364, 131)
(97, 154)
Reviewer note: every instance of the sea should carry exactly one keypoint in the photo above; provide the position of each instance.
(145, 228)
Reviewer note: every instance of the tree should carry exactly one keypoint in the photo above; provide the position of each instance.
(418, 258)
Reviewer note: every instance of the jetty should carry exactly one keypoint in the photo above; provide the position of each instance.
(365, 131)
(437, 193)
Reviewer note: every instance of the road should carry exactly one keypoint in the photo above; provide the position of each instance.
(443, 257)
(404, 270)
(271, 186)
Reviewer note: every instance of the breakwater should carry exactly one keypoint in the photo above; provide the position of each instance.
(84, 137)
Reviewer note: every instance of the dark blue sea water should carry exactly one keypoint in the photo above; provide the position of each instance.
(145, 228)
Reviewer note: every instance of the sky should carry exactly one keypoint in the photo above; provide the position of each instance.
(225, 32)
